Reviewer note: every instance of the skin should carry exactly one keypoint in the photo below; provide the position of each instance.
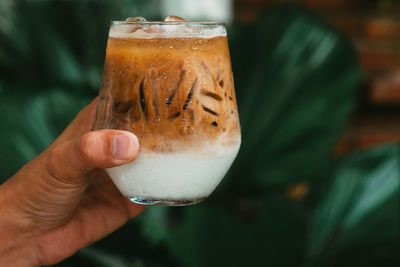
(63, 200)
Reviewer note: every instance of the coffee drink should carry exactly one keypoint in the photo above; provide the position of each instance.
(170, 83)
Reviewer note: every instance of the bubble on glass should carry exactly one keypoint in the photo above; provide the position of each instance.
(174, 18)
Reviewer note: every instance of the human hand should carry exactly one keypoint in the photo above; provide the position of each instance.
(62, 201)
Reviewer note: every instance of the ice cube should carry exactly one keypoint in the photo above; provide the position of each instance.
(133, 28)
(138, 19)
(174, 18)
(154, 29)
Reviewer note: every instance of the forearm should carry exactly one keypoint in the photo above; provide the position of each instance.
(16, 246)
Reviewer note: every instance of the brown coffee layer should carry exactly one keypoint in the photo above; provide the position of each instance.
(168, 91)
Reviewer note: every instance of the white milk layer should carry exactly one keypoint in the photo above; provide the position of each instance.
(182, 175)
(167, 30)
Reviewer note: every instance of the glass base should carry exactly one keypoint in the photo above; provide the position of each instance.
(165, 202)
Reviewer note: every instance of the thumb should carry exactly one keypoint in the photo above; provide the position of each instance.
(72, 159)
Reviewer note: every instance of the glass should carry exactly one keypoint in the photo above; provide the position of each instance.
(171, 84)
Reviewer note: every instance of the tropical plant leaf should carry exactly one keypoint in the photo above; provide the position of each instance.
(30, 122)
(360, 206)
(296, 82)
(55, 43)
(258, 231)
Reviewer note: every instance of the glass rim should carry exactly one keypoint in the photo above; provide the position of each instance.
(162, 23)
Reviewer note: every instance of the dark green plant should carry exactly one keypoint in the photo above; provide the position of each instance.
(359, 211)
(296, 79)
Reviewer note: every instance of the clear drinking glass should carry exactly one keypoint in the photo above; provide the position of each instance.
(171, 84)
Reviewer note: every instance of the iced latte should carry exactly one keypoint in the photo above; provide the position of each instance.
(171, 84)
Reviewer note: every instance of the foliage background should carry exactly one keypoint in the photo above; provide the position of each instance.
(287, 201)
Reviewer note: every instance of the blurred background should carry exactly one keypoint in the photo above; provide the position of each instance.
(317, 180)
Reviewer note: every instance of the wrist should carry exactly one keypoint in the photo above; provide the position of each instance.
(15, 238)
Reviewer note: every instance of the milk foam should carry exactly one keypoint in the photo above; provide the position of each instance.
(182, 175)
(166, 30)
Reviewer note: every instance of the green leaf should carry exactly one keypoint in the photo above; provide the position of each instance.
(30, 122)
(296, 82)
(55, 43)
(155, 224)
(258, 231)
(361, 204)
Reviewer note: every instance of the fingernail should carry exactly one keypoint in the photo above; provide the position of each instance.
(122, 146)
